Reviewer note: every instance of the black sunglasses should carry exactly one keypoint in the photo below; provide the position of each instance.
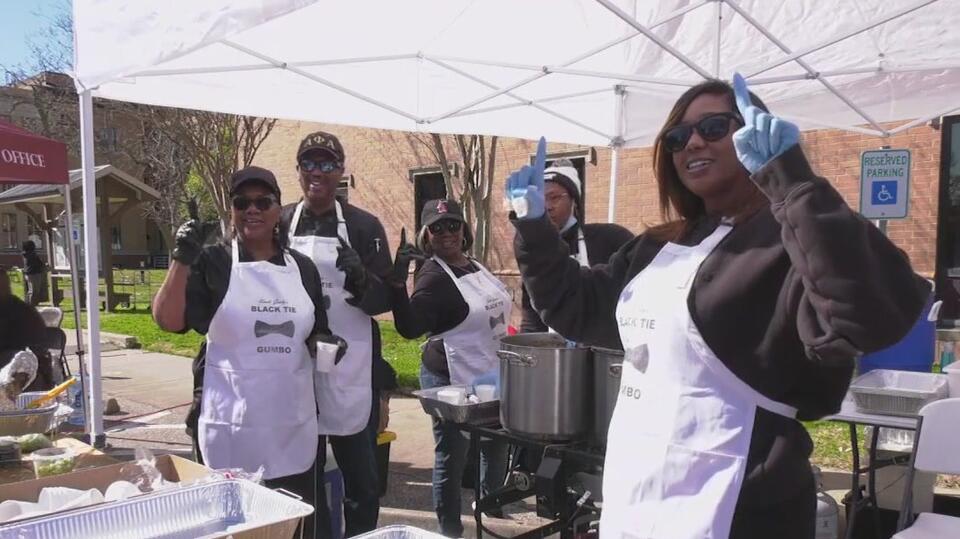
(449, 224)
(712, 128)
(326, 167)
(261, 203)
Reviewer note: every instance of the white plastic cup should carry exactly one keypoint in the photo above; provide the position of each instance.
(326, 356)
(453, 395)
(485, 392)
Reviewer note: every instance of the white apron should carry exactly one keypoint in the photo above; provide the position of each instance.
(258, 406)
(678, 441)
(345, 394)
(471, 346)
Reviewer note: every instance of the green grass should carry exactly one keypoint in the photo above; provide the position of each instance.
(402, 354)
(831, 440)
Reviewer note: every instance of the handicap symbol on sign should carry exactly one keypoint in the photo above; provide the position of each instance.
(883, 193)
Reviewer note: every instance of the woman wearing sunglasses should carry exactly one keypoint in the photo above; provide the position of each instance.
(464, 310)
(740, 315)
(260, 306)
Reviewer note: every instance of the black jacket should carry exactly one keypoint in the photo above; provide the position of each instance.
(602, 240)
(32, 263)
(789, 300)
(435, 306)
(368, 238)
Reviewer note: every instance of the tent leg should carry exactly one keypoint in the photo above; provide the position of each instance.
(612, 203)
(77, 302)
(91, 262)
(615, 145)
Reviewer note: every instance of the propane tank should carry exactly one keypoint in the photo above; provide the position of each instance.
(828, 511)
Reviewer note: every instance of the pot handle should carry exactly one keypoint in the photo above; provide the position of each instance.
(616, 370)
(516, 359)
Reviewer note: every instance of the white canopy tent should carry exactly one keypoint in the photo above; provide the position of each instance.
(593, 72)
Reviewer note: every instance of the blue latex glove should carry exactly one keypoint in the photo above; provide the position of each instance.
(525, 186)
(763, 136)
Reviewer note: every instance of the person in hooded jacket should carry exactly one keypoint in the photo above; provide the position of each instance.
(589, 244)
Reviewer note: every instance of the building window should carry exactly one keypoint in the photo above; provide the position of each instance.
(115, 237)
(107, 138)
(8, 231)
(427, 185)
(343, 188)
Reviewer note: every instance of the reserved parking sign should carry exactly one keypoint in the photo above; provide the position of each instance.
(885, 184)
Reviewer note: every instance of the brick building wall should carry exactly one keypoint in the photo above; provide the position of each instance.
(381, 161)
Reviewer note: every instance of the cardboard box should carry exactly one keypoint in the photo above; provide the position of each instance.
(171, 468)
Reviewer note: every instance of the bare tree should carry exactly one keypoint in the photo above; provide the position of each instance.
(472, 185)
(217, 145)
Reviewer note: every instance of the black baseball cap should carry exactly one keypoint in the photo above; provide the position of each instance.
(321, 140)
(439, 209)
(254, 174)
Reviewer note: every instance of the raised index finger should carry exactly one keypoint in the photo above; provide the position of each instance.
(403, 235)
(540, 162)
(741, 93)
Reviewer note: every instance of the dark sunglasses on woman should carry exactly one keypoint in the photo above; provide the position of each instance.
(326, 167)
(448, 224)
(261, 203)
(712, 128)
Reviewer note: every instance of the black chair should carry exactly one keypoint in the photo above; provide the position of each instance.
(55, 340)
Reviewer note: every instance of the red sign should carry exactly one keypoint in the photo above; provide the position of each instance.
(29, 158)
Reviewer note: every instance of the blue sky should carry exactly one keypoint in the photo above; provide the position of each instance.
(18, 20)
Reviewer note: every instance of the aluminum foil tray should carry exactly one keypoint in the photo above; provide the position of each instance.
(891, 392)
(484, 413)
(23, 421)
(399, 532)
(232, 507)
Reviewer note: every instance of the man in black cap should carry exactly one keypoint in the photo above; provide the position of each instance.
(590, 244)
(349, 247)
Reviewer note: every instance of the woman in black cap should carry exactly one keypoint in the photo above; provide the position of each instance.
(465, 311)
(260, 306)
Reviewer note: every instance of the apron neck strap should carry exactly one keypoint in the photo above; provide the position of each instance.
(341, 223)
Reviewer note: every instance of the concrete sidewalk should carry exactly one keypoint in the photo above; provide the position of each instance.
(154, 393)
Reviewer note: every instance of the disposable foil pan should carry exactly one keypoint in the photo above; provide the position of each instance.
(231, 507)
(484, 413)
(399, 532)
(23, 421)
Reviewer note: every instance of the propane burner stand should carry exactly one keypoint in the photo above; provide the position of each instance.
(565, 477)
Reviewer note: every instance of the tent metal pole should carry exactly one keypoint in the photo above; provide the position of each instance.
(616, 145)
(314, 78)
(716, 52)
(91, 268)
(833, 40)
(872, 70)
(75, 287)
(802, 63)
(623, 15)
(561, 68)
(74, 271)
(523, 101)
(921, 121)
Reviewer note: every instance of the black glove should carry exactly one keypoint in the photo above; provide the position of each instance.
(329, 339)
(188, 242)
(350, 263)
(406, 253)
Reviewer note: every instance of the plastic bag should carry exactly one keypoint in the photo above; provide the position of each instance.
(143, 472)
(16, 375)
(32, 442)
